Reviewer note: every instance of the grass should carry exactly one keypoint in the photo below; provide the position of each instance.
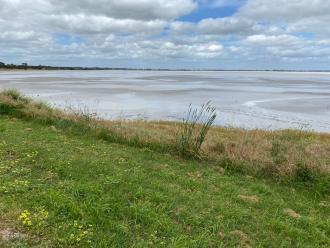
(85, 192)
(73, 181)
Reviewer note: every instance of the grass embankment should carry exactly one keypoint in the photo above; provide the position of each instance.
(64, 184)
(288, 155)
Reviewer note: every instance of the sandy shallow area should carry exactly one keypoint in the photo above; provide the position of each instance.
(267, 100)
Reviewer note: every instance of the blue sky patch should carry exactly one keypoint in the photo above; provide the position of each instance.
(306, 35)
(65, 39)
(207, 12)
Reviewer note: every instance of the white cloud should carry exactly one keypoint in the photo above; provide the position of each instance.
(228, 25)
(303, 52)
(127, 9)
(284, 10)
(16, 36)
(296, 15)
(323, 42)
(83, 24)
(182, 27)
(86, 16)
(104, 30)
(273, 40)
(226, 3)
(164, 49)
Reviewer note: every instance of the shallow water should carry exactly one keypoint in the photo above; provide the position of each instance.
(267, 100)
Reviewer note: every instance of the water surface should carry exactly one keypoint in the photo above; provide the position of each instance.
(267, 100)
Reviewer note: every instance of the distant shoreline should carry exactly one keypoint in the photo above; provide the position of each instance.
(25, 67)
(136, 69)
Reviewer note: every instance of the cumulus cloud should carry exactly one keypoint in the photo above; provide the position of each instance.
(84, 24)
(127, 9)
(284, 10)
(17, 36)
(226, 3)
(228, 25)
(273, 40)
(296, 15)
(156, 30)
(163, 48)
(94, 16)
(180, 27)
(302, 52)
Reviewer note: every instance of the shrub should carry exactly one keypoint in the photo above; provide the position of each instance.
(194, 129)
(304, 173)
(16, 96)
(13, 93)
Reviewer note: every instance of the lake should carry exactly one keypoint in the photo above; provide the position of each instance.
(266, 100)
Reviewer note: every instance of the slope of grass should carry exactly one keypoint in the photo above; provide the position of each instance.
(58, 189)
(287, 155)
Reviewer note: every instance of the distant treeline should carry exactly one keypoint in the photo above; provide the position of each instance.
(25, 66)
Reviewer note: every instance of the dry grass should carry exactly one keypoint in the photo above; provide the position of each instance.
(281, 154)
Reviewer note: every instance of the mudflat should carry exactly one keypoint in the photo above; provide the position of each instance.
(249, 99)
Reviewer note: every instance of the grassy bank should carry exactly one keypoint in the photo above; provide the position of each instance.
(70, 180)
(287, 155)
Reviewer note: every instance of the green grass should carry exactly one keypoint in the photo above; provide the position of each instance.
(112, 195)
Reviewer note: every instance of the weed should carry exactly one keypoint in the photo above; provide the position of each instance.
(194, 130)
(36, 219)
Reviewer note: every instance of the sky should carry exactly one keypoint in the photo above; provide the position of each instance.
(172, 34)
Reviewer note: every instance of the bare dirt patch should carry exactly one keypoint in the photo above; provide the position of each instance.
(249, 198)
(291, 213)
(7, 234)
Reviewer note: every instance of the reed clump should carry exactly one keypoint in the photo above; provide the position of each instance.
(194, 129)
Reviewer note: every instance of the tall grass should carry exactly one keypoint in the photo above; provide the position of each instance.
(194, 129)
